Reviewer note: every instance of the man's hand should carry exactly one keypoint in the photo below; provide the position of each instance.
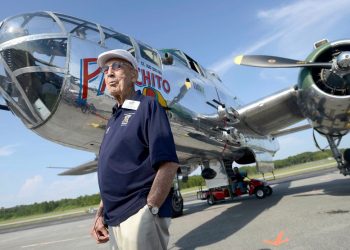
(99, 232)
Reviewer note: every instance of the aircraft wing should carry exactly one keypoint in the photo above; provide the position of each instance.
(291, 130)
(86, 168)
(272, 114)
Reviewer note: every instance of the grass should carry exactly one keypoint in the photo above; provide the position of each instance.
(298, 169)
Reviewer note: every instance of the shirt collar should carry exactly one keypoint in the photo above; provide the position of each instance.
(136, 96)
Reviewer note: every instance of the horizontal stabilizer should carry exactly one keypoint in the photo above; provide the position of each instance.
(85, 168)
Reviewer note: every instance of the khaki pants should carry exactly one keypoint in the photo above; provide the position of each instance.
(142, 231)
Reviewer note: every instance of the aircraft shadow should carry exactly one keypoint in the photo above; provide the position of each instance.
(236, 217)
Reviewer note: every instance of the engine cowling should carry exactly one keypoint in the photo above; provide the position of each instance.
(325, 92)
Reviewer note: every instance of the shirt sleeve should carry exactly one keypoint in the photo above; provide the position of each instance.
(161, 141)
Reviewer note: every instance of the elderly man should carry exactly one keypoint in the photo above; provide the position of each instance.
(137, 163)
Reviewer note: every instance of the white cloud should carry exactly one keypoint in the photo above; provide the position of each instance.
(301, 21)
(69, 187)
(31, 187)
(7, 150)
(290, 145)
(39, 189)
(225, 64)
(291, 27)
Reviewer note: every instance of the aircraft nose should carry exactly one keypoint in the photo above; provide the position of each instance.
(42, 51)
(32, 65)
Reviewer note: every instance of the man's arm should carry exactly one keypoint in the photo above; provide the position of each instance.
(162, 183)
(99, 231)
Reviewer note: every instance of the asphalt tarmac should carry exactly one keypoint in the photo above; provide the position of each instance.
(310, 212)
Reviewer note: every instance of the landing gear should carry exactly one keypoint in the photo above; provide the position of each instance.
(177, 202)
(343, 162)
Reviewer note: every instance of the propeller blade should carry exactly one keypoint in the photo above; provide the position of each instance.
(276, 62)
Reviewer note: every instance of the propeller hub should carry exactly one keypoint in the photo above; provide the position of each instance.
(343, 60)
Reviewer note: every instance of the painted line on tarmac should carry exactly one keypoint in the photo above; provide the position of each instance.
(54, 242)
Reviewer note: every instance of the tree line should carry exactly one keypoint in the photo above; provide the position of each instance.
(192, 181)
(48, 206)
(303, 158)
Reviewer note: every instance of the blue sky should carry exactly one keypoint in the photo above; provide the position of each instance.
(211, 33)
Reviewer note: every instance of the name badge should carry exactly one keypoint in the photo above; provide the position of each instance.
(130, 104)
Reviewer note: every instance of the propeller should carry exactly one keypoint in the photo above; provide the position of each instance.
(276, 62)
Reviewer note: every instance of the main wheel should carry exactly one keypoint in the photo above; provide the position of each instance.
(260, 193)
(177, 205)
(268, 190)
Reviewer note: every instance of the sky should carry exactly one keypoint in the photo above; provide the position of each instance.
(211, 33)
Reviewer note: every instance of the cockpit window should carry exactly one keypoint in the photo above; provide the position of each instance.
(116, 40)
(28, 24)
(26, 81)
(149, 54)
(45, 52)
(184, 59)
(42, 90)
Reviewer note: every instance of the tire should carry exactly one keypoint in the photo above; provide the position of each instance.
(260, 193)
(268, 190)
(177, 205)
(211, 200)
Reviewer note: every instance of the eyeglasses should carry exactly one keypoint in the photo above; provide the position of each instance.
(115, 66)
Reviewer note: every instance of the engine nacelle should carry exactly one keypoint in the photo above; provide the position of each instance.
(325, 93)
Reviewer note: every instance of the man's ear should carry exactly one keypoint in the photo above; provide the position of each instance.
(134, 75)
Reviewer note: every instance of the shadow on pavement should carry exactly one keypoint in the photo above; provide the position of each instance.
(228, 223)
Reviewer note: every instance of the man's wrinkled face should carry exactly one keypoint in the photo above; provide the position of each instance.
(119, 77)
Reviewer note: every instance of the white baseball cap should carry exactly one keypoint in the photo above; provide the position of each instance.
(116, 53)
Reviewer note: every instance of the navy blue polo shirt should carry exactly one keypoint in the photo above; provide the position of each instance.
(134, 144)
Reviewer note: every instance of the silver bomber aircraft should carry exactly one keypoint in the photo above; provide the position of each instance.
(49, 78)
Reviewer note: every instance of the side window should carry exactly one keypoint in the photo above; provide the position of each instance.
(194, 65)
(88, 33)
(149, 55)
(81, 29)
